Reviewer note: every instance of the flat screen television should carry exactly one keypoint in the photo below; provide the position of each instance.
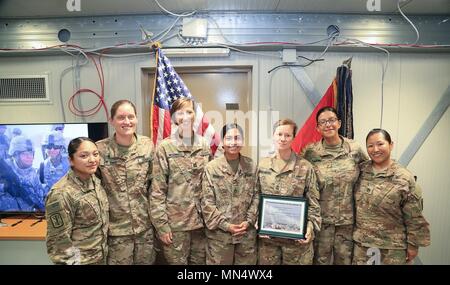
(33, 157)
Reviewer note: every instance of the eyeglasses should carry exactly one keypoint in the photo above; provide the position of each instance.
(230, 138)
(329, 121)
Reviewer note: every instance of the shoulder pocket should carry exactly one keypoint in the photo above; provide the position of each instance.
(57, 218)
(107, 161)
(264, 170)
(89, 212)
(144, 159)
(315, 159)
(174, 155)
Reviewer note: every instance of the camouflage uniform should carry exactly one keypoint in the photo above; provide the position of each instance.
(77, 221)
(126, 174)
(4, 146)
(175, 199)
(296, 178)
(388, 214)
(53, 173)
(29, 197)
(337, 172)
(49, 172)
(21, 189)
(230, 198)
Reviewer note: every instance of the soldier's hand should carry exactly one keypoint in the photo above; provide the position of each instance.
(244, 225)
(242, 229)
(411, 253)
(233, 228)
(308, 237)
(166, 238)
(238, 230)
(74, 256)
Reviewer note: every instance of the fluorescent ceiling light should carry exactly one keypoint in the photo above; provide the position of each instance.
(196, 52)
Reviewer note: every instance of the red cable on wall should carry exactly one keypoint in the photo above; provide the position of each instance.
(101, 103)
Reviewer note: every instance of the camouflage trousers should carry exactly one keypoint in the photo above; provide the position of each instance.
(221, 253)
(289, 253)
(103, 262)
(334, 245)
(361, 256)
(187, 247)
(132, 249)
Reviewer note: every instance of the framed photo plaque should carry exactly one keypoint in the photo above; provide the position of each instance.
(283, 216)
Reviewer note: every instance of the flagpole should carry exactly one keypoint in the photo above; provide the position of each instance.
(156, 46)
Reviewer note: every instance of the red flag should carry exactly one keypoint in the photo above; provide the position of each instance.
(308, 133)
(169, 87)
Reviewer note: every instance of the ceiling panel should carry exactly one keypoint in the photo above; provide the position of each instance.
(428, 7)
(57, 8)
(360, 6)
(178, 5)
(245, 5)
(323, 6)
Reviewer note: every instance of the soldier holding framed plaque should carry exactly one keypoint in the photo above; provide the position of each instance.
(282, 240)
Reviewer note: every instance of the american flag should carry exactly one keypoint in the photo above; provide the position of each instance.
(168, 88)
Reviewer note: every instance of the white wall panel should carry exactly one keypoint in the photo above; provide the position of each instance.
(431, 165)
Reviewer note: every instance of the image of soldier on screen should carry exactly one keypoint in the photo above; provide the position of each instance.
(21, 189)
(60, 128)
(55, 164)
(4, 142)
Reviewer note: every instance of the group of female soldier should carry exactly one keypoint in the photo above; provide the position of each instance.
(205, 211)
